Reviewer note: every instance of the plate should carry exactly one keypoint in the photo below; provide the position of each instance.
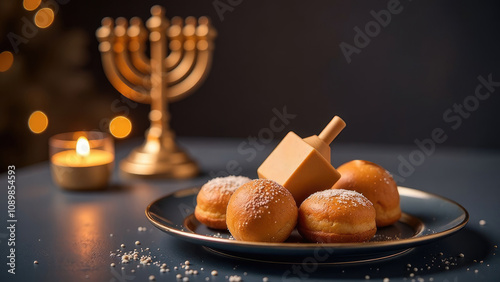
(426, 217)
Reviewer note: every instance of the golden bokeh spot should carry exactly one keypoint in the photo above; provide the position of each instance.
(38, 122)
(6, 60)
(31, 5)
(120, 127)
(44, 17)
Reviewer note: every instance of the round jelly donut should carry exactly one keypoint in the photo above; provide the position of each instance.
(261, 211)
(337, 216)
(211, 202)
(375, 183)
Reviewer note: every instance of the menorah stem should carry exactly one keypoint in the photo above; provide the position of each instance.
(158, 116)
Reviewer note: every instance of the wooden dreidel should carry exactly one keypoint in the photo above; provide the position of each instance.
(303, 165)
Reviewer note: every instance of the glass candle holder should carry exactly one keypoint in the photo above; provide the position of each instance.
(81, 160)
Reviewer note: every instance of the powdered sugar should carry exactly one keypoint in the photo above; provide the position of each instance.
(227, 184)
(346, 197)
(265, 192)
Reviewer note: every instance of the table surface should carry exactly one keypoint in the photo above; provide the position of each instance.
(71, 234)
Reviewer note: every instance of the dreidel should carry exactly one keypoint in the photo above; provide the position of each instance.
(303, 165)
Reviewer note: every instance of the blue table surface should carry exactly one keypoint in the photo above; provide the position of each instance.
(69, 233)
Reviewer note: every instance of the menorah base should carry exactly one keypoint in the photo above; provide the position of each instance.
(163, 163)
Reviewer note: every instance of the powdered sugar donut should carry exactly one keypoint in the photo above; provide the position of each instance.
(211, 202)
(337, 216)
(261, 211)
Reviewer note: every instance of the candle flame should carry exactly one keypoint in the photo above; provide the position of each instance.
(82, 147)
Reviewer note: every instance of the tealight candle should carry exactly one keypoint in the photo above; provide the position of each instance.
(81, 160)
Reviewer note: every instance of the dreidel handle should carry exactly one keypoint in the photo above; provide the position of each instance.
(332, 130)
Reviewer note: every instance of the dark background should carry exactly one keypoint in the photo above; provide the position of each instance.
(270, 54)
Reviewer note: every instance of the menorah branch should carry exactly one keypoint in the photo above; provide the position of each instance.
(123, 86)
(138, 36)
(185, 66)
(174, 58)
(195, 79)
(123, 62)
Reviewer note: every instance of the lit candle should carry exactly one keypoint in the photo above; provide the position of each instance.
(81, 165)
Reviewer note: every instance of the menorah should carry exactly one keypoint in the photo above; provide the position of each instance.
(167, 76)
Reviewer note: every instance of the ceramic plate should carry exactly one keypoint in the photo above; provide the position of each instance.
(426, 218)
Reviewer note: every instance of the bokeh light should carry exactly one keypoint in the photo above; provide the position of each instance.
(120, 127)
(38, 122)
(6, 60)
(31, 5)
(44, 17)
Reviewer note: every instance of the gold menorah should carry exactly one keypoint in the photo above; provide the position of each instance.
(166, 77)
